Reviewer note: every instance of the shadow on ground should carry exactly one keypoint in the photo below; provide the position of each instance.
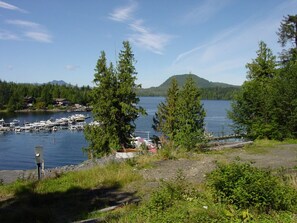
(74, 204)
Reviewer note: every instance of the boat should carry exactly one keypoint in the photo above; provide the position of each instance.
(2, 122)
(77, 118)
(54, 128)
(17, 129)
(72, 127)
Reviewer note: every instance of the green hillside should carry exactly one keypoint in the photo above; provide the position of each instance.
(201, 82)
(209, 90)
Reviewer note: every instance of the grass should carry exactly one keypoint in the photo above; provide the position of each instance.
(264, 145)
(81, 194)
(180, 201)
(67, 197)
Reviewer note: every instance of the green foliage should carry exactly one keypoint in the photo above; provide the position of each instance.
(181, 116)
(249, 187)
(162, 205)
(114, 104)
(263, 67)
(165, 119)
(12, 95)
(265, 107)
(287, 33)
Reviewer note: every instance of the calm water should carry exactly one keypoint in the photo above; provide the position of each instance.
(65, 147)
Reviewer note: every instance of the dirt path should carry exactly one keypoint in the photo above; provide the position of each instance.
(195, 170)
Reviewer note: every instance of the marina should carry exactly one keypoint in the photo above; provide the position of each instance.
(64, 144)
(73, 122)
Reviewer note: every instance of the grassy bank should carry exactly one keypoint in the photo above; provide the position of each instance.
(82, 194)
(67, 197)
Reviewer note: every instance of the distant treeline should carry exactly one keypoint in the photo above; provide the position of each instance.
(15, 96)
(212, 93)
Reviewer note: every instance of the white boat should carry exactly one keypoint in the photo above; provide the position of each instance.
(4, 129)
(72, 127)
(54, 128)
(77, 118)
(17, 129)
(14, 123)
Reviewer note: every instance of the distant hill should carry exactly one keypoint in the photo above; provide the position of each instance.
(210, 90)
(201, 82)
(60, 82)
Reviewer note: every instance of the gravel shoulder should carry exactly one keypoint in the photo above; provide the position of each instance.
(196, 168)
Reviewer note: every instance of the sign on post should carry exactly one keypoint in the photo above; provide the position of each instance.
(39, 160)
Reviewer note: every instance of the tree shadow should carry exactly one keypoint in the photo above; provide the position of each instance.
(74, 204)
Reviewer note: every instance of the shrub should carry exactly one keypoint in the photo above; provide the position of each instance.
(249, 187)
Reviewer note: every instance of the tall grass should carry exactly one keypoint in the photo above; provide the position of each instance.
(113, 174)
(67, 197)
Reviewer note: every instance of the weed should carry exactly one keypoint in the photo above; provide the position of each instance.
(249, 187)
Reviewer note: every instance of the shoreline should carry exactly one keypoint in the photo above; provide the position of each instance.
(45, 110)
(10, 176)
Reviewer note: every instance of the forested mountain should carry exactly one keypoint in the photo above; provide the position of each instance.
(209, 90)
(200, 82)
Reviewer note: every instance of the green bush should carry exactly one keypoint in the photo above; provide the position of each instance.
(249, 187)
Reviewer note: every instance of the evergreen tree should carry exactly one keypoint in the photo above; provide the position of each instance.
(264, 66)
(165, 119)
(287, 33)
(284, 96)
(104, 104)
(114, 104)
(190, 117)
(181, 116)
(253, 105)
(128, 110)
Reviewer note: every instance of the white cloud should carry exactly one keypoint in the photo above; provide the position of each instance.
(39, 36)
(145, 38)
(11, 7)
(32, 30)
(225, 55)
(6, 35)
(216, 39)
(205, 11)
(24, 23)
(141, 35)
(71, 67)
(123, 14)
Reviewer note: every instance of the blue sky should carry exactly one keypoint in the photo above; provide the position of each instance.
(45, 40)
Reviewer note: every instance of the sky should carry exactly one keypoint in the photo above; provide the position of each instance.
(45, 40)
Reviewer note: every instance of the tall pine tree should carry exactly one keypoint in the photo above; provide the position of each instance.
(126, 94)
(252, 109)
(181, 116)
(287, 34)
(114, 104)
(165, 119)
(191, 114)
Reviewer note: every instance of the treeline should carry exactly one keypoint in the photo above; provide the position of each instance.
(219, 93)
(212, 93)
(15, 96)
